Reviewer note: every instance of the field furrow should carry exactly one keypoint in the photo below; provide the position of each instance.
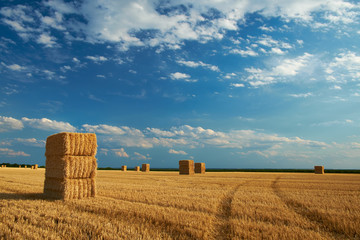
(165, 205)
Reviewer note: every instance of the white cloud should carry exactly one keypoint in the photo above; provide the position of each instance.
(14, 67)
(160, 132)
(104, 129)
(9, 123)
(11, 153)
(169, 25)
(179, 75)
(30, 142)
(48, 125)
(97, 59)
(47, 40)
(266, 28)
(245, 53)
(277, 51)
(198, 64)
(284, 70)
(237, 85)
(120, 153)
(343, 68)
(180, 152)
(301, 95)
(182, 76)
(139, 156)
(336, 87)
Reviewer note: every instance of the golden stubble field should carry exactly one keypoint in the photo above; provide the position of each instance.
(164, 205)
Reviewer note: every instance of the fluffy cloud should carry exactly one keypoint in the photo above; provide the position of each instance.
(120, 153)
(14, 67)
(167, 25)
(139, 156)
(97, 59)
(48, 125)
(180, 152)
(284, 70)
(9, 123)
(198, 64)
(344, 67)
(181, 76)
(11, 153)
(46, 40)
(30, 142)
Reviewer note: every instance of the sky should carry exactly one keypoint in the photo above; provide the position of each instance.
(232, 83)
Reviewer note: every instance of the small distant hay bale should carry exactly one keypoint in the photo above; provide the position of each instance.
(124, 168)
(32, 167)
(71, 167)
(74, 144)
(25, 166)
(145, 167)
(36, 166)
(137, 169)
(319, 169)
(68, 189)
(186, 167)
(19, 166)
(200, 168)
(2, 166)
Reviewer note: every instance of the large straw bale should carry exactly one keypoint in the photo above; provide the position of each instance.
(200, 168)
(36, 166)
(70, 167)
(319, 169)
(186, 167)
(137, 169)
(124, 168)
(145, 167)
(67, 189)
(74, 144)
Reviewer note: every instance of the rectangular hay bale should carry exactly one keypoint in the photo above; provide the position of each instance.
(67, 189)
(319, 169)
(186, 167)
(74, 144)
(137, 169)
(70, 167)
(124, 168)
(200, 168)
(145, 167)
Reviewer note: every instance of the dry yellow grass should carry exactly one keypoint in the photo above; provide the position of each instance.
(164, 205)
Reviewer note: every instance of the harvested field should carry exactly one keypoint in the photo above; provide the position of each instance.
(164, 205)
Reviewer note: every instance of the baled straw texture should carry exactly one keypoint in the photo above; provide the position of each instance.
(145, 167)
(200, 168)
(186, 167)
(137, 169)
(36, 166)
(74, 144)
(70, 167)
(124, 168)
(319, 169)
(67, 189)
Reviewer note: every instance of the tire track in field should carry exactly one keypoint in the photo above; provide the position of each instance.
(156, 204)
(222, 226)
(322, 221)
(175, 231)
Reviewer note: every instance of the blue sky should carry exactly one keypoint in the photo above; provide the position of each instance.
(234, 84)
